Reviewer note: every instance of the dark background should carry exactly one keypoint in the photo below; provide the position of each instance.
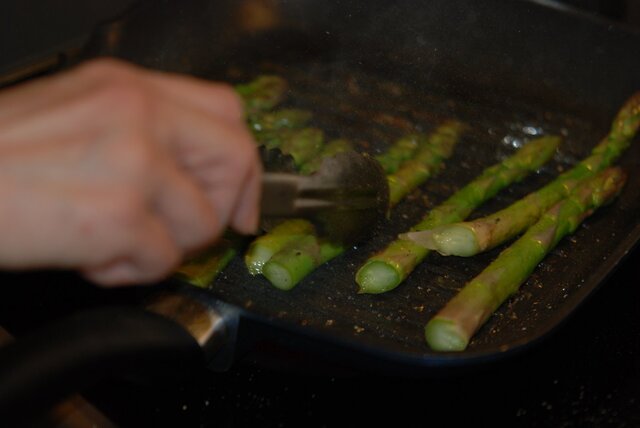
(586, 374)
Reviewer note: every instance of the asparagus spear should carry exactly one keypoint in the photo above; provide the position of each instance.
(286, 269)
(295, 261)
(454, 325)
(470, 238)
(428, 160)
(289, 231)
(387, 269)
(402, 150)
(265, 246)
(262, 93)
(202, 269)
(332, 148)
(303, 144)
(270, 121)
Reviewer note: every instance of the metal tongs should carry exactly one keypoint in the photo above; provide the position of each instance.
(346, 198)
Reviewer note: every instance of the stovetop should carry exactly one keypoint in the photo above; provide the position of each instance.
(585, 374)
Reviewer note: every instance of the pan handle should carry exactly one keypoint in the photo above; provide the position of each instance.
(171, 337)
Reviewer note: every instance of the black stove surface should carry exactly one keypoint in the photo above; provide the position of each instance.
(585, 374)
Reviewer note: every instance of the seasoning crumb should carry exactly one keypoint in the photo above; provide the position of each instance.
(329, 323)
(358, 329)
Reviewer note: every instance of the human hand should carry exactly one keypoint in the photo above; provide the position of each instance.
(119, 172)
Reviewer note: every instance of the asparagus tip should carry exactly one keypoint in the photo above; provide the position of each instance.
(445, 335)
(376, 277)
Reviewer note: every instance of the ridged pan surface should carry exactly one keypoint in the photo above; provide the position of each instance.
(373, 111)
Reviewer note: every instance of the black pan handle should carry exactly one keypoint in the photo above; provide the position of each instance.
(67, 356)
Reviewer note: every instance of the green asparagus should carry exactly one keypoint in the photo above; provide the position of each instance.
(286, 269)
(454, 325)
(271, 121)
(265, 246)
(291, 264)
(262, 93)
(402, 150)
(428, 160)
(303, 144)
(202, 269)
(470, 238)
(332, 148)
(387, 269)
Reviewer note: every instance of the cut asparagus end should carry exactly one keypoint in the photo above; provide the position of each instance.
(288, 266)
(450, 240)
(443, 334)
(256, 257)
(278, 276)
(377, 277)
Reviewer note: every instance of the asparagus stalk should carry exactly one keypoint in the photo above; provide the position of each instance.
(454, 325)
(428, 160)
(470, 238)
(402, 150)
(262, 93)
(303, 144)
(295, 230)
(286, 269)
(295, 261)
(332, 148)
(265, 246)
(202, 269)
(387, 269)
(271, 121)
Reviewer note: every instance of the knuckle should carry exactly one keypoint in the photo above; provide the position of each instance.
(105, 68)
(119, 90)
(127, 97)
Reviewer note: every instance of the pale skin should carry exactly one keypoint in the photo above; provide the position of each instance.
(120, 172)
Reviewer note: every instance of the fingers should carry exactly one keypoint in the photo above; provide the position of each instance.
(85, 92)
(212, 99)
(151, 255)
(99, 230)
(245, 218)
(190, 217)
(223, 160)
(120, 172)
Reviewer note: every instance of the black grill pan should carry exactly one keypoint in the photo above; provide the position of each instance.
(373, 71)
